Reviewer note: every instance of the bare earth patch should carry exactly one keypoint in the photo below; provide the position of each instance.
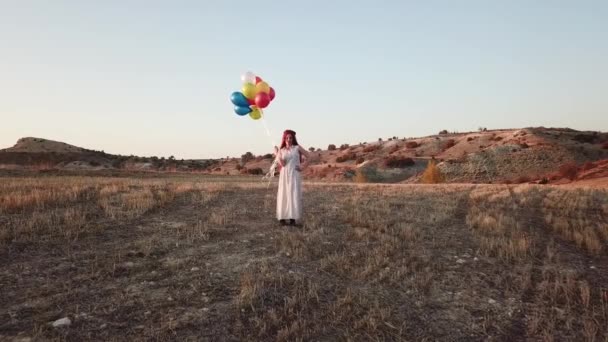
(202, 258)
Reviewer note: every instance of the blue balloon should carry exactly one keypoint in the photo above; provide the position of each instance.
(239, 100)
(242, 110)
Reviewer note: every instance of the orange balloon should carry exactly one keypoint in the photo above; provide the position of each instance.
(262, 87)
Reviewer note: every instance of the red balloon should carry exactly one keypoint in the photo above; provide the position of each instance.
(271, 93)
(251, 102)
(262, 100)
(258, 79)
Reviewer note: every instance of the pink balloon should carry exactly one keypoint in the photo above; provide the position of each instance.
(271, 93)
(262, 100)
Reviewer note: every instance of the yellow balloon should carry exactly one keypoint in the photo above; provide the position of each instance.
(262, 87)
(249, 91)
(256, 113)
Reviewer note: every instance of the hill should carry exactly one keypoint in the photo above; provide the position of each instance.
(496, 156)
(539, 154)
(43, 154)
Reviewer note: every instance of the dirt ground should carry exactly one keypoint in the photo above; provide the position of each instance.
(202, 258)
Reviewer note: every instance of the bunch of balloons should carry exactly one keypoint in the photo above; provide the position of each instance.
(254, 95)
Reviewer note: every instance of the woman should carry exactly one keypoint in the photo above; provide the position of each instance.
(289, 196)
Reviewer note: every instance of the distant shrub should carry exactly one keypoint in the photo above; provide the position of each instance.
(568, 170)
(346, 157)
(218, 169)
(469, 139)
(587, 166)
(247, 157)
(497, 138)
(522, 179)
(360, 176)
(343, 147)
(524, 145)
(311, 149)
(432, 174)
(448, 144)
(94, 163)
(445, 131)
(331, 147)
(379, 139)
(411, 144)
(398, 162)
(255, 171)
(371, 148)
(544, 180)
(268, 156)
(482, 129)
(585, 138)
(360, 160)
(239, 167)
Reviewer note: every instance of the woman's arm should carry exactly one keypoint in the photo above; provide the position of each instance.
(304, 152)
(306, 155)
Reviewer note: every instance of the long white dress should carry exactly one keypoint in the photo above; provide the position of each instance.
(289, 196)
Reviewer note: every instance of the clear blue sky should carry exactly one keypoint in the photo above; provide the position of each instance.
(154, 77)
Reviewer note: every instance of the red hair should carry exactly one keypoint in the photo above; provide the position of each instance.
(284, 139)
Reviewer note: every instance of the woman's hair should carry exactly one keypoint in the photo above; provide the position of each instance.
(284, 139)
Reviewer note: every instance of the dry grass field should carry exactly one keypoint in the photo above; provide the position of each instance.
(201, 258)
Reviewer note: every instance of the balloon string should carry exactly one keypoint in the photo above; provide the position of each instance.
(275, 162)
(268, 132)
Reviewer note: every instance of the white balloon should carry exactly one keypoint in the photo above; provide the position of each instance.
(248, 77)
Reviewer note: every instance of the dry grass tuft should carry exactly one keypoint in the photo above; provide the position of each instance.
(175, 258)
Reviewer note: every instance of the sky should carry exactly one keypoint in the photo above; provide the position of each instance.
(154, 78)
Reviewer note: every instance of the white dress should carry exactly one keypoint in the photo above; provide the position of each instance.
(289, 197)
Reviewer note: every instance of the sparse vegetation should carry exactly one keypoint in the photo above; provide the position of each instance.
(448, 144)
(247, 157)
(360, 176)
(432, 174)
(191, 258)
(587, 166)
(398, 162)
(255, 171)
(331, 147)
(346, 157)
(371, 148)
(568, 170)
(412, 144)
(445, 131)
(585, 138)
